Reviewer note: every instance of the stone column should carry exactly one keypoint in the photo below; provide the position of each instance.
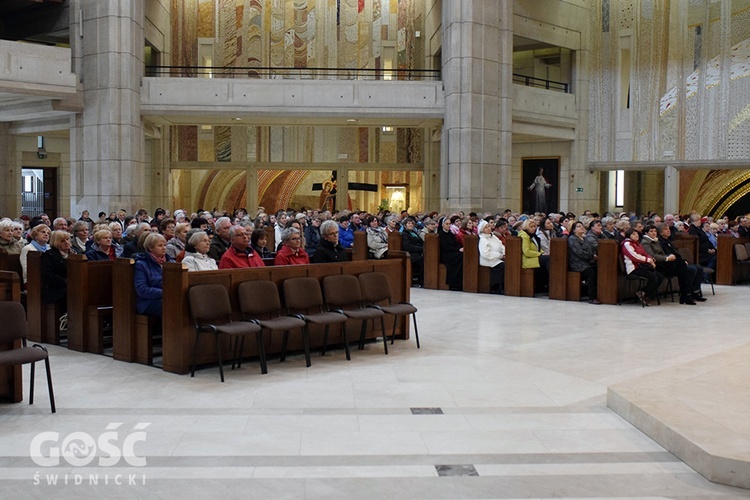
(107, 142)
(10, 188)
(477, 76)
(671, 190)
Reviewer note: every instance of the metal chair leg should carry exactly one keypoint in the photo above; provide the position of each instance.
(49, 385)
(416, 331)
(306, 343)
(218, 355)
(385, 335)
(31, 383)
(346, 341)
(325, 342)
(284, 341)
(261, 353)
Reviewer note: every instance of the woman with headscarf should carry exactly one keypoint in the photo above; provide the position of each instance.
(451, 254)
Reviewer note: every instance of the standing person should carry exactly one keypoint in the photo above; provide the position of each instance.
(582, 258)
(492, 255)
(239, 254)
(329, 249)
(640, 263)
(291, 251)
(451, 254)
(148, 275)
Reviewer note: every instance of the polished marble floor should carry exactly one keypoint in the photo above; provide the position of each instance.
(505, 399)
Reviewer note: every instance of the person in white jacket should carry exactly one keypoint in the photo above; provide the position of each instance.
(492, 255)
(196, 253)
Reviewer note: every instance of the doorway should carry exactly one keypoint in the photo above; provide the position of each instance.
(39, 192)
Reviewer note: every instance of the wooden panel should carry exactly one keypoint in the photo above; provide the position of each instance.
(123, 324)
(573, 286)
(513, 266)
(359, 250)
(558, 269)
(431, 261)
(471, 263)
(43, 319)
(11, 263)
(607, 271)
(11, 377)
(727, 270)
(394, 241)
(89, 296)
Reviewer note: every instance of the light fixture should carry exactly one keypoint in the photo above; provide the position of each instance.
(352, 120)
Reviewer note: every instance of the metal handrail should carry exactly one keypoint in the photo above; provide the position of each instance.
(531, 81)
(294, 73)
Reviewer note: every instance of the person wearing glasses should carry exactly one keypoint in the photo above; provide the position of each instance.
(291, 252)
(329, 249)
(79, 241)
(239, 254)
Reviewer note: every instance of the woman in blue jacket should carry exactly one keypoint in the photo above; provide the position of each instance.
(148, 275)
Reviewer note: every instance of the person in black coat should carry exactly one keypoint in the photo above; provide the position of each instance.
(412, 243)
(55, 270)
(706, 249)
(329, 249)
(451, 254)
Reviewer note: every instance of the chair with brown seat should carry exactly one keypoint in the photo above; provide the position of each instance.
(376, 289)
(304, 297)
(343, 294)
(212, 313)
(14, 328)
(260, 299)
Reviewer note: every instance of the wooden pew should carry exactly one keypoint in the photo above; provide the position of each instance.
(394, 241)
(179, 332)
(519, 282)
(476, 278)
(608, 271)
(132, 334)
(270, 238)
(434, 270)
(43, 319)
(359, 250)
(559, 274)
(11, 377)
(727, 270)
(10, 286)
(89, 303)
(685, 240)
(12, 263)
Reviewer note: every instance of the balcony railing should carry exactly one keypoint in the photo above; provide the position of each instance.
(530, 81)
(294, 73)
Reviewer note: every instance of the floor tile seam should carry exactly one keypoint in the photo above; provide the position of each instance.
(214, 461)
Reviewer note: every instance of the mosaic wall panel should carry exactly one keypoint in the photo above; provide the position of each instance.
(300, 33)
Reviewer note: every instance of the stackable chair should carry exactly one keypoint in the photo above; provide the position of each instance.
(259, 299)
(304, 297)
(212, 313)
(14, 328)
(742, 260)
(376, 289)
(343, 294)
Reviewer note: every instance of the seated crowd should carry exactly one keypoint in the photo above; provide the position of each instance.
(219, 240)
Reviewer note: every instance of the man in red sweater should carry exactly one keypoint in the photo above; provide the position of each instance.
(239, 254)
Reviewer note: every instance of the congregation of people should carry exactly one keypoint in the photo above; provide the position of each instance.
(218, 240)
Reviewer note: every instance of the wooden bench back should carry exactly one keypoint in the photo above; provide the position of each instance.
(89, 284)
(727, 270)
(179, 333)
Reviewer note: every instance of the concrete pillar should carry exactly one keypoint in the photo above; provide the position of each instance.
(107, 142)
(671, 190)
(477, 76)
(10, 188)
(431, 173)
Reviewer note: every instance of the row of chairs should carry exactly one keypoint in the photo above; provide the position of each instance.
(363, 298)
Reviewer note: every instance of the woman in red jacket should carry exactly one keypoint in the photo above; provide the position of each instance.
(639, 263)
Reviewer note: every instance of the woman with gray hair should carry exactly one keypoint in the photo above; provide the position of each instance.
(291, 251)
(196, 253)
(147, 275)
(8, 244)
(80, 231)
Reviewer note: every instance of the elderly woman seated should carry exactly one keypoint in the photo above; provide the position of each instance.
(8, 244)
(102, 248)
(532, 256)
(377, 238)
(55, 271)
(291, 251)
(148, 275)
(582, 258)
(39, 238)
(492, 255)
(196, 253)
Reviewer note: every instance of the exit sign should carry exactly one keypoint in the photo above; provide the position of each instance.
(579, 190)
